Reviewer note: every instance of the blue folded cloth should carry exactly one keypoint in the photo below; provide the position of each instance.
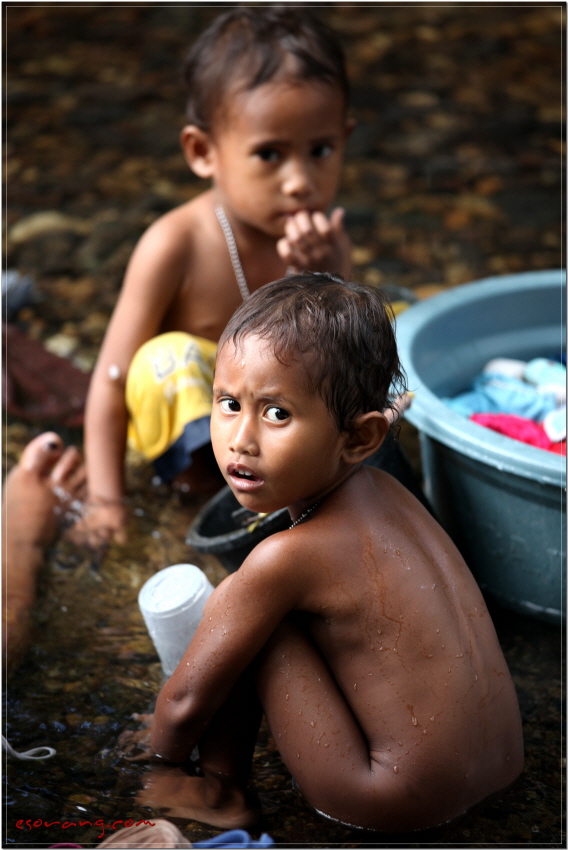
(501, 394)
(235, 838)
(543, 372)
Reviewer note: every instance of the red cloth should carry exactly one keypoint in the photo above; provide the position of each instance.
(38, 385)
(519, 428)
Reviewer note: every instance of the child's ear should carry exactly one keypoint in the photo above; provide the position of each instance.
(370, 429)
(197, 149)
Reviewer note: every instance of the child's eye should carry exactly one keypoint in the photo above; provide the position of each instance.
(268, 155)
(229, 405)
(322, 151)
(276, 414)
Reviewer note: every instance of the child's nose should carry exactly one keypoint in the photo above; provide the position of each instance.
(243, 439)
(297, 180)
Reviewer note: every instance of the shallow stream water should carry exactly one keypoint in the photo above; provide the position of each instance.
(92, 666)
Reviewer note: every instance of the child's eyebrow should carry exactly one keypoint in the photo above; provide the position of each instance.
(274, 398)
(275, 142)
(268, 396)
(219, 391)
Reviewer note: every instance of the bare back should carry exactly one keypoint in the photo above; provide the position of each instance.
(403, 626)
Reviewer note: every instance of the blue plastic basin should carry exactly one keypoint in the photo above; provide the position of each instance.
(502, 501)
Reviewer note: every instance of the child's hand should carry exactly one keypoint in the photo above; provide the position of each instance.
(101, 524)
(314, 243)
(135, 744)
(401, 403)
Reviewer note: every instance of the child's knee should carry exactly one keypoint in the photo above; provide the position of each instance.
(168, 390)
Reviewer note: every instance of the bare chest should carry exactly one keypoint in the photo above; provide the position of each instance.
(204, 302)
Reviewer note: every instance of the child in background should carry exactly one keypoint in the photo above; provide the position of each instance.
(359, 631)
(267, 124)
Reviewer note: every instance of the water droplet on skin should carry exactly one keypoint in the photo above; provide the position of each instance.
(409, 568)
(437, 631)
(326, 745)
(432, 719)
(414, 721)
(443, 646)
(395, 768)
(460, 655)
(424, 731)
(312, 724)
(429, 656)
(379, 631)
(433, 586)
(355, 686)
(369, 674)
(388, 749)
(400, 743)
(297, 755)
(300, 712)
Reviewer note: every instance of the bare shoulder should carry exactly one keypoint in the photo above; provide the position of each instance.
(279, 564)
(177, 229)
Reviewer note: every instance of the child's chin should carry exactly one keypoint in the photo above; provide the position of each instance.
(254, 502)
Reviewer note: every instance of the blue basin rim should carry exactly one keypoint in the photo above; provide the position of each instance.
(431, 416)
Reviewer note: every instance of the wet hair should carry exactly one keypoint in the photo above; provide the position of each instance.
(341, 331)
(248, 46)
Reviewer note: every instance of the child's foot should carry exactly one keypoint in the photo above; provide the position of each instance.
(45, 482)
(43, 485)
(176, 795)
(202, 478)
(161, 833)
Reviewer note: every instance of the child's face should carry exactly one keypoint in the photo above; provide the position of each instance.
(276, 443)
(278, 149)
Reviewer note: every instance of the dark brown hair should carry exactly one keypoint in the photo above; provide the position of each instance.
(247, 46)
(344, 328)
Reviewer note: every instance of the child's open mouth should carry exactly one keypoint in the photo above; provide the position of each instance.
(243, 478)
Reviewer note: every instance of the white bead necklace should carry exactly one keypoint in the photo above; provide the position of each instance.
(305, 514)
(233, 251)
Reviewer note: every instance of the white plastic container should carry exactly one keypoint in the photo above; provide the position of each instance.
(172, 603)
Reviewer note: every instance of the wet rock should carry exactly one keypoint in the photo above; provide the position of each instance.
(42, 223)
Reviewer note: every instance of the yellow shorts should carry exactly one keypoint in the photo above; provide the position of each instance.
(168, 396)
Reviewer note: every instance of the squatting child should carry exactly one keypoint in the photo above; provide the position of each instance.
(267, 124)
(359, 631)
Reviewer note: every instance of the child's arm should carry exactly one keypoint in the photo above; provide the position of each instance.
(316, 243)
(152, 279)
(238, 620)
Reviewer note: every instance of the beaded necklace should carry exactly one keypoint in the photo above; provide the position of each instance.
(305, 514)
